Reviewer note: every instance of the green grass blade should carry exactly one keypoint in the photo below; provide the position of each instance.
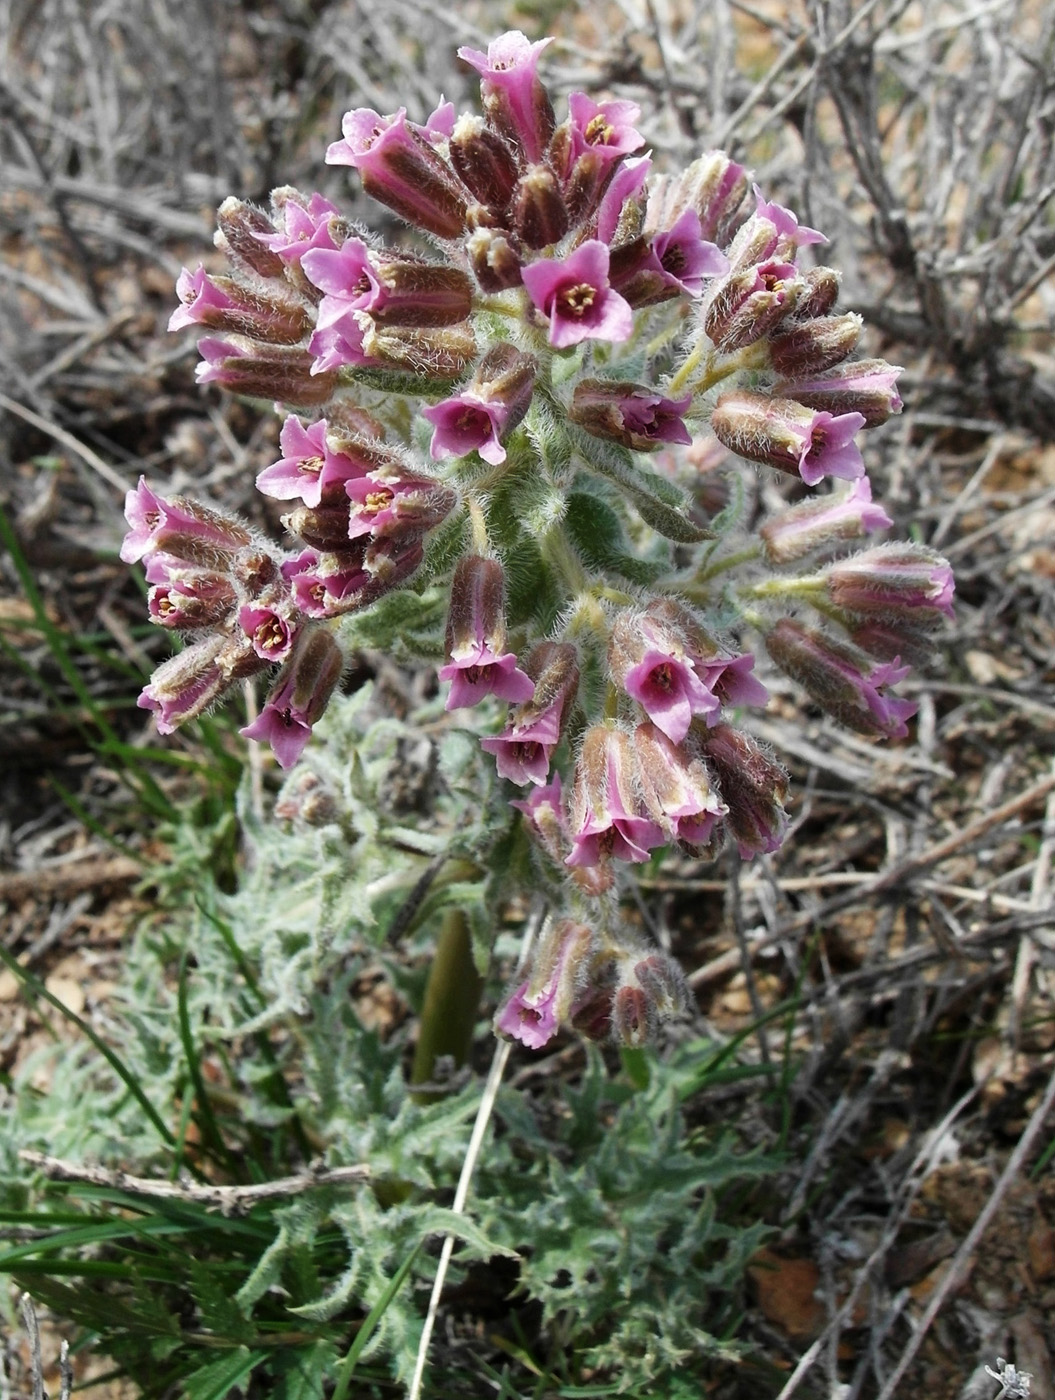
(369, 1325)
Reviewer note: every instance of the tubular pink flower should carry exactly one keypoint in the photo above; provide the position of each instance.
(299, 695)
(629, 413)
(868, 387)
(574, 292)
(522, 753)
(155, 521)
(606, 818)
(677, 790)
(843, 682)
(347, 276)
(479, 672)
(400, 169)
(804, 442)
(892, 581)
(468, 423)
(384, 503)
(306, 227)
(198, 295)
(685, 258)
(603, 129)
(308, 470)
(511, 88)
(341, 344)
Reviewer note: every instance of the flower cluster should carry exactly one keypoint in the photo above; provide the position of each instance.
(467, 412)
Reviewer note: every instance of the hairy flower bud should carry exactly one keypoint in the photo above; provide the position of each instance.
(484, 160)
(867, 387)
(224, 304)
(842, 680)
(820, 523)
(181, 527)
(242, 231)
(540, 215)
(894, 582)
(444, 353)
(809, 347)
(285, 375)
(750, 302)
(819, 293)
(713, 186)
(186, 685)
(493, 259)
(753, 787)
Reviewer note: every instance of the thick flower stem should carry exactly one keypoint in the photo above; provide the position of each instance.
(452, 1001)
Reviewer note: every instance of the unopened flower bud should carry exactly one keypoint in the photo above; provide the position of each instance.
(400, 169)
(323, 527)
(809, 347)
(540, 215)
(306, 798)
(819, 294)
(867, 387)
(820, 523)
(713, 185)
(444, 353)
(299, 695)
(493, 259)
(631, 414)
(514, 99)
(843, 681)
(749, 303)
(752, 784)
(421, 294)
(476, 637)
(663, 982)
(241, 232)
(811, 444)
(894, 582)
(484, 160)
(634, 1019)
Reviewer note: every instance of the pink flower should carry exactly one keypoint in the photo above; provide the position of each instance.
(685, 258)
(271, 630)
(185, 685)
(299, 696)
(512, 92)
(199, 295)
(155, 521)
(605, 818)
(306, 227)
(807, 443)
(400, 169)
(216, 354)
(574, 292)
(843, 681)
(468, 423)
(602, 129)
(670, 692)
(868, 387)
(630, 414)
(907, 581)
(341, 343)
(627, 183)
(347, 276)
(307, 470)
(534, 1011)
(476, 634)
(385, 503)
(677, 790)
(785, 223)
